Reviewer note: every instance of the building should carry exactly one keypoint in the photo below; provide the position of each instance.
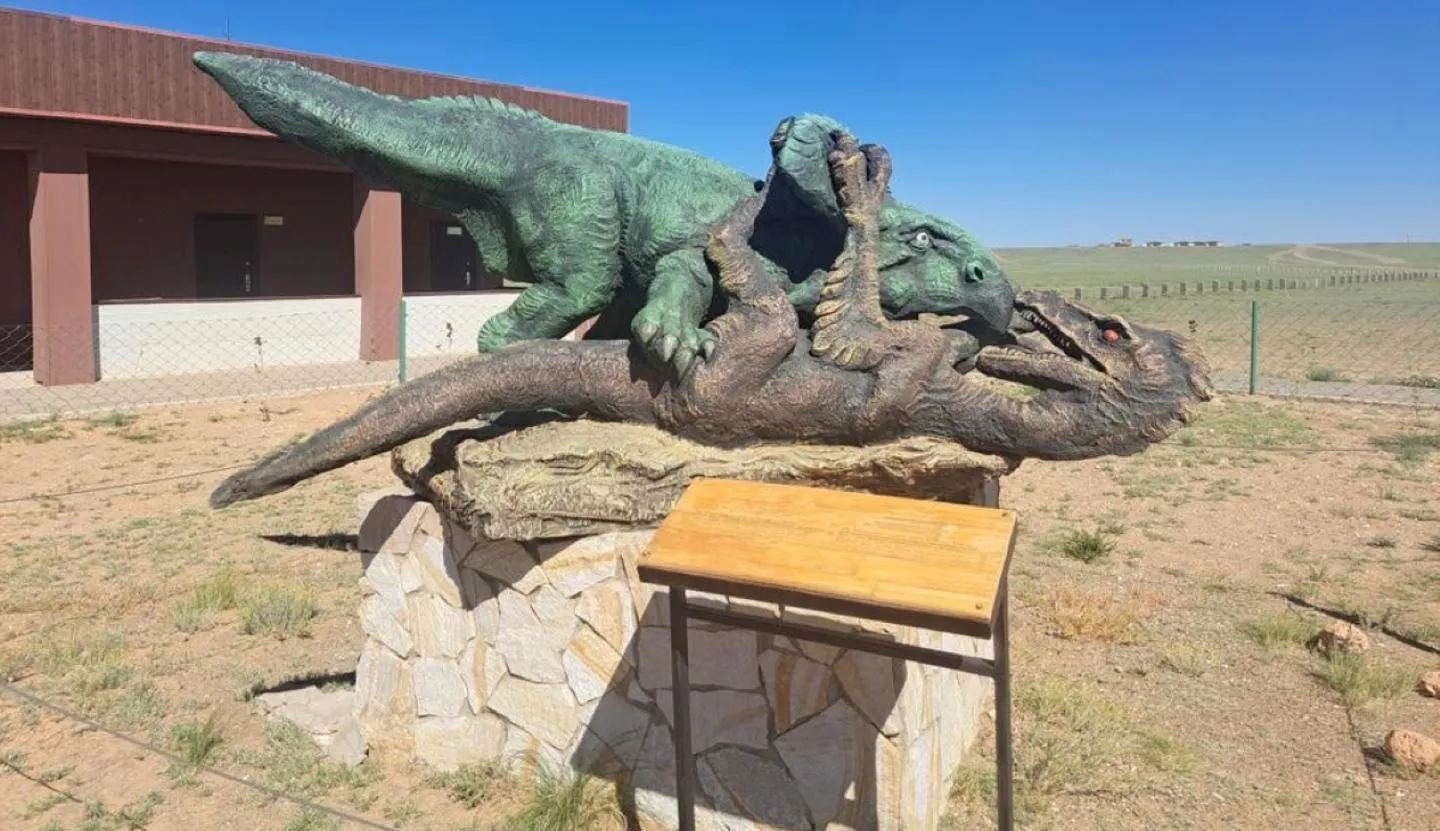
(135, 195)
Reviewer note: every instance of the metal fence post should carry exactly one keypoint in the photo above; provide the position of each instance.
(1254, 344)
(404, 341)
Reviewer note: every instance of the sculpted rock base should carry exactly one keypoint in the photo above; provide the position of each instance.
(551, 652)
(574, 478)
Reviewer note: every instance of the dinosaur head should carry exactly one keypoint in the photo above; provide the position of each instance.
(929, 265)
(1109, 385)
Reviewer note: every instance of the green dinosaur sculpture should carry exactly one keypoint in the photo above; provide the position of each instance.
(608, 222)
(1107, 386)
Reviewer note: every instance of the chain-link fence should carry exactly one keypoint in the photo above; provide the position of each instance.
(147, 356)
(1374, 337)
(1368, 336)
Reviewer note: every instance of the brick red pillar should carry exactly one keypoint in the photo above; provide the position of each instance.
(60, 266)
(379, 270)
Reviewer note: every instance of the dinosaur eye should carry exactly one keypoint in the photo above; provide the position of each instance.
(921, 239)
(1112, 331)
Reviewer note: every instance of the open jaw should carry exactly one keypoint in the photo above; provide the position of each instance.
(1063, 363)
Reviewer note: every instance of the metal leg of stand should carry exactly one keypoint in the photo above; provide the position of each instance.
(680, 690)
(1004, 749)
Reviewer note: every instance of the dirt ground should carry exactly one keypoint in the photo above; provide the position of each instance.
(1162, 605)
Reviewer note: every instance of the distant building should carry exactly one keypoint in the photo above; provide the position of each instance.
(1123, 242)
(133, 191)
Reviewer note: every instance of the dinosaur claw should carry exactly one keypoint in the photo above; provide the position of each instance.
(646, 331)
(707, 348)
(667, 347)
(684, 362)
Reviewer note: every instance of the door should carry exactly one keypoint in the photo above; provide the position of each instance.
(227, 248)
(452, 258)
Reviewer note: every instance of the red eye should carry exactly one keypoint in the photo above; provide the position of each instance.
(1110, 335)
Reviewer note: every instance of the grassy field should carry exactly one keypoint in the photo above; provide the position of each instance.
(1084, 267)
(1386, 333)
(1163, 680)
(1371, 333)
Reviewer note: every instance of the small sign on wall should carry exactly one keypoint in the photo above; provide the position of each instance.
(454, 230)
(274, 220)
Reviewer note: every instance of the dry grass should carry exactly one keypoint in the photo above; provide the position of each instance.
(1076, 613)
(563, 800)
(1188, 660)
(150, 613)
(1070, 739)
(1280, 629)
(1360, 681)
(280, 611)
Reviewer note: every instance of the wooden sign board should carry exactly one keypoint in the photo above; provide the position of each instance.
(933, 565)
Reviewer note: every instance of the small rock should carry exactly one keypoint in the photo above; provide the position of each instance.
(574, 566)
(727, 658)
(382, 623)
(1341, 637)
(320, 713)
(388, 520)
(796, 686)
(439, 630)
(822, 755)
(526, 645)
(723, 717)
(450, 743)
(545, 711)
(610, 609)
(509, 563)
(439, 571)
(1430, 684)
(1412, 750)
(439, 688)
(869, 681)
(483, 667)
(346, 745)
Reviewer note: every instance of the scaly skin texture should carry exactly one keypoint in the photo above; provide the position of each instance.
(1113, 388)
(607, 222)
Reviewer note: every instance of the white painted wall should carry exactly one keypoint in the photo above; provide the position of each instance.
(446, 324)
(139, 339)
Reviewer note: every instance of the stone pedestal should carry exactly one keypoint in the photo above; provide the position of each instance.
(551, 651)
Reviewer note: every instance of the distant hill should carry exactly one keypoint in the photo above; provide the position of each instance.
(1090, 266)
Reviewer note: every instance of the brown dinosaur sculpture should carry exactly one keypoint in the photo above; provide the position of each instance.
(1108, 387)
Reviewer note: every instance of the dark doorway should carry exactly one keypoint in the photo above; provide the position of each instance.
(453, 258)
(227, 248)
(16, 345)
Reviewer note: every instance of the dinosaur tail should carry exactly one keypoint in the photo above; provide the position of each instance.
(592, 377)
(423, 145)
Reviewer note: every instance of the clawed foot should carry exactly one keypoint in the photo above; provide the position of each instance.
(861, 174)
(848, 319)
(672, 343)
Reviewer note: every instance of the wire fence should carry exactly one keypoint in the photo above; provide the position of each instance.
(1364, 336)
(1367, 337)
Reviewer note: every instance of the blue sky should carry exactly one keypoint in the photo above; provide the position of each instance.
(1030, 123)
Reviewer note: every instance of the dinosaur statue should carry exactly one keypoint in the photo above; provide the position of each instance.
(1108, 386)
(598, 221)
